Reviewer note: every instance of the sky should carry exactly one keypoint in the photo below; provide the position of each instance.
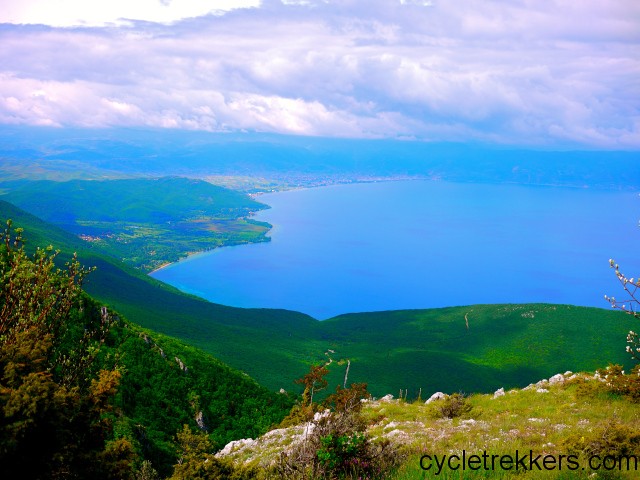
(522, 72)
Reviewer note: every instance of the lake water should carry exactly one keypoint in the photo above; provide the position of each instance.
(421, 244)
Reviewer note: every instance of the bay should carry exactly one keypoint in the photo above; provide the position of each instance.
(423, 244)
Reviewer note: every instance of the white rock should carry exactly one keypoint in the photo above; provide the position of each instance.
(498, 393)
(387, 398)
(318, 415)
(436, 396)
(235, 445)
(542, 390)
(556, 379)
(398, 434)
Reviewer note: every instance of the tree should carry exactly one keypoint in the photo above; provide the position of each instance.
(313, 382)
(629, 304)
(54, 410)
(336, 444)
(196, 462)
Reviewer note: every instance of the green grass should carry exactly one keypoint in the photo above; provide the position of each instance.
(555, 423)
(568, 419)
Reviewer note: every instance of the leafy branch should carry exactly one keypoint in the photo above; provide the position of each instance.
(630, 304)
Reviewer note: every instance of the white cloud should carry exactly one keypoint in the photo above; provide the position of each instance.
(518, 72)
(67, 13)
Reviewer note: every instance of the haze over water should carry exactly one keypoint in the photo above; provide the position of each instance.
(423, 244)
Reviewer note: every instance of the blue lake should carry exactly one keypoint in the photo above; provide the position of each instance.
(421, 244)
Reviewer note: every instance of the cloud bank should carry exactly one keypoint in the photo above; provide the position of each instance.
(558, 73)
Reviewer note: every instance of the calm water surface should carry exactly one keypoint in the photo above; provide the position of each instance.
(421, 244)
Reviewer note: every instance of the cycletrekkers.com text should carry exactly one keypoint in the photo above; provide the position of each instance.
(523, 461)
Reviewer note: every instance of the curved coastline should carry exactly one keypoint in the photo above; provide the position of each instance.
(397, 245)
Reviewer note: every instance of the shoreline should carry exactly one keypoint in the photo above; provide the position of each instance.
(331, 183)
(164, 265)
(283, 189)
(345, 182)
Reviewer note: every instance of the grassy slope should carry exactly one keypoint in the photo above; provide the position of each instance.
(567, 419)
(506, 345)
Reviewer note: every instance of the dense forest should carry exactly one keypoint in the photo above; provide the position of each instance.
(86, 394)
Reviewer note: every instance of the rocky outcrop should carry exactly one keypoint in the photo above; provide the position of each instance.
(200, 421)
(182, 366)
(436, 396)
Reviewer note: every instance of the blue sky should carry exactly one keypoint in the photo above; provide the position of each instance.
(546, 73)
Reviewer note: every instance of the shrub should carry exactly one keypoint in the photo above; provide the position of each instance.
(336, 444)
(196, 462)
(613, 439)
(627, 385)
(341, 453)
(348, 399)
(456, 405)
(55, 402)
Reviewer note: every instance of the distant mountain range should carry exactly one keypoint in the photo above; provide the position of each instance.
(32, 152)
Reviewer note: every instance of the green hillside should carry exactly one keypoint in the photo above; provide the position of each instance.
(251, 340)
(145, 222)
(505, 345)
(167, 384)
(157, 395)
(84, 393)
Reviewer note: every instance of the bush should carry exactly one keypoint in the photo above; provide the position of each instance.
(613, 380)
(55, 402)
(336, 444)
(627, 385)
(456, 405)
(613, 439)
(341, 453)
(196, 462)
